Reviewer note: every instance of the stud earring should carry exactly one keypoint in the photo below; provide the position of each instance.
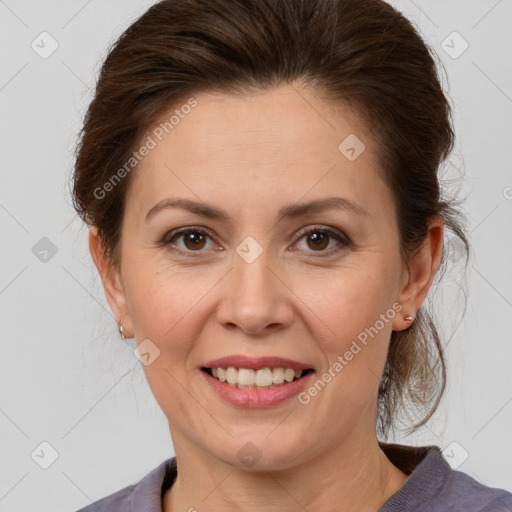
(408, 318)
(121, 332)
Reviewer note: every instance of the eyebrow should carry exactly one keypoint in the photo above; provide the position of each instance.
(286, 212)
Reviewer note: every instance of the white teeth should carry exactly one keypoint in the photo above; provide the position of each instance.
(263, 377)
(289, 374)
(247, 378)
(278, 375)
(232, 375)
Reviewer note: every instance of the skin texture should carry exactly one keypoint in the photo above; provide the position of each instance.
(251, 155)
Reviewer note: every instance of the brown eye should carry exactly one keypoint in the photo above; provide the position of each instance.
(194, 240)
(318, 240)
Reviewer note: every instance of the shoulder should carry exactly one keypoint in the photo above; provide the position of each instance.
(115, 502)
(143, 496)
(433, 485)
(464, 492)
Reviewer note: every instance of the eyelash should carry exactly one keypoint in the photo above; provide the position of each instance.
(341, 238)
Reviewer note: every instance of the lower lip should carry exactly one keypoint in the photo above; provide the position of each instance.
(257, 398)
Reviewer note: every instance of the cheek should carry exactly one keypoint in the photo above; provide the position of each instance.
(159, 300)
(347, 301)
(355, 311)
(167, 307)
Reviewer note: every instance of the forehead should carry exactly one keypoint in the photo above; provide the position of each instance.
(282, 143)
(277, 119)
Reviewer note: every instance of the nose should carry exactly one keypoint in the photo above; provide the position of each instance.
(255, 297)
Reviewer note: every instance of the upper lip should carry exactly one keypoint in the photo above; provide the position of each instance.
(256, 363)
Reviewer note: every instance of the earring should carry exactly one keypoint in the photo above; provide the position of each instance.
(121, 332)
(408, 318)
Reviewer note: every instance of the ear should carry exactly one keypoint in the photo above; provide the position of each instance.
(112, 283)
(420, 273)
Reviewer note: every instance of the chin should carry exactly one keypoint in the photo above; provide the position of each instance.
(258, 453)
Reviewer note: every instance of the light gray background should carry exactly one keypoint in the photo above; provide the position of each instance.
(67, 378)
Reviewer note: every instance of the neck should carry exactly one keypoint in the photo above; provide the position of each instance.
(354, 476)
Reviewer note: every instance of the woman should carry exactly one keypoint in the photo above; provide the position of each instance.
(260, 180)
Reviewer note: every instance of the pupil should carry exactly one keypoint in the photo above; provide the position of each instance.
(194, 239)
(318, 239)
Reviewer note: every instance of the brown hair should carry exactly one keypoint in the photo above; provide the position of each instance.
(363, 53)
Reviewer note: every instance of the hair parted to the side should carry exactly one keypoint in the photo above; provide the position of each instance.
(361, 53)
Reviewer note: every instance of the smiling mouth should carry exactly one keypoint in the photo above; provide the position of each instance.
(264, 378)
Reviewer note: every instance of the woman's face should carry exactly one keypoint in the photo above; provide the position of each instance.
(254, 284)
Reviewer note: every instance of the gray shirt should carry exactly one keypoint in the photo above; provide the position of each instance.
(432, 486)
